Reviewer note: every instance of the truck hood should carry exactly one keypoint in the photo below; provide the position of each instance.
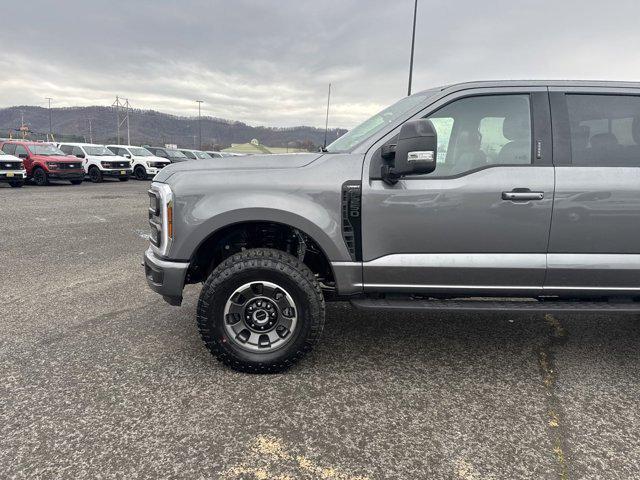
(57, 158)
(252, 162)
(107, 158)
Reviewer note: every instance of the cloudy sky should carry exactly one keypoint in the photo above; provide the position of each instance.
(269, 62)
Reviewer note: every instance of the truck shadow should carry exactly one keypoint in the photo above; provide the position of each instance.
(353, 336)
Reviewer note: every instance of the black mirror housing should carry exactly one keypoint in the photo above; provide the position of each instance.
(415, 153)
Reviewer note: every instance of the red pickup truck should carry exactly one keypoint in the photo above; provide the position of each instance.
(44, 162)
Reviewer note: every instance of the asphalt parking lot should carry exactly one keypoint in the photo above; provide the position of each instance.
(99, 378)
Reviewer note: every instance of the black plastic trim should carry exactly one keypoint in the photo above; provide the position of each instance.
(351, 207)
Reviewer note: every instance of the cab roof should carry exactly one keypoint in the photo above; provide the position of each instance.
(530, 83)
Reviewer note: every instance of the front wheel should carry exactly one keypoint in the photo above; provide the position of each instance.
(261, 311)
(123, 179)
(16, 184)
(76, 182)
(95, 175)
(140, 173)
(40, 177)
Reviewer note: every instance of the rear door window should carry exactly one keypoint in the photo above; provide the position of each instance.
(605, 130)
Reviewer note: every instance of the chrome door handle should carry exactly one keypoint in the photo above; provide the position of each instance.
(521, 195)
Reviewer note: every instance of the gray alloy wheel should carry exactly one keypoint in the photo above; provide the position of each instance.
(40, 177)
(260, 316)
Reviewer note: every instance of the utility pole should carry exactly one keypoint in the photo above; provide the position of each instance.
(50, 128)
(326, 122)
(90, 132)
(199, 102)
(122, 105)
(413, 43)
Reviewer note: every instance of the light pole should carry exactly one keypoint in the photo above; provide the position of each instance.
(413, 43)
(50, 127)
(199, 102)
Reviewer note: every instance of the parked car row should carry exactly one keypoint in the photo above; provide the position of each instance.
(22, 160)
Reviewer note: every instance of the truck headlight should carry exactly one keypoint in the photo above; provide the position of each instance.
(161, 217)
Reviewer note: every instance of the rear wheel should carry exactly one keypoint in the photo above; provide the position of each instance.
(261, 311)
(40, 177)
(16, 183)
(76, 182)
(124, 179)
(95, 175)
(140, 173)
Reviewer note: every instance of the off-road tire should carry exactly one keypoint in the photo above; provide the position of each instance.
(140, 173)
(17, 184)
(95, 175)
(40, 177)
(256, 265)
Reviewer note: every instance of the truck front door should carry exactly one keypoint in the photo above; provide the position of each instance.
(480, 222)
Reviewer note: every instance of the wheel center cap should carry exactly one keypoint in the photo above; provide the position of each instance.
(260, 316)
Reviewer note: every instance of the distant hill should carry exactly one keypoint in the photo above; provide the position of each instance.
(148, 127)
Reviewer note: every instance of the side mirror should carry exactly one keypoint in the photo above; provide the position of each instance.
(414, 154)
(23, 156)
(127, 155)
(80, 155)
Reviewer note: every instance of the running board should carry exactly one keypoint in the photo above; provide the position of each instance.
(531, 305)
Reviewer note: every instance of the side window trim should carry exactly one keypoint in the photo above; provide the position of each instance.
(561, 129)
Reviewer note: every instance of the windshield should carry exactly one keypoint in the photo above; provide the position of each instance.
(189, 154)
(176, 154)
(98, 151)
(140, 152)
(376, 123)
(47, 150)
(202, 155)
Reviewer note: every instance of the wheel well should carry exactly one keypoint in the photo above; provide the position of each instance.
(243, 236)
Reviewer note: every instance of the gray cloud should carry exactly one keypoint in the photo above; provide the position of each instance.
(269, 62)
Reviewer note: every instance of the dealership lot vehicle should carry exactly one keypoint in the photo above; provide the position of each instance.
(144, 163)
(44, 162)
(98, 161)
(12, 170)
(172, 154)
(196, 154)
(506, 190)
(214, 154)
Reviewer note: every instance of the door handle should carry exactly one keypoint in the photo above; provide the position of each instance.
(522, 195)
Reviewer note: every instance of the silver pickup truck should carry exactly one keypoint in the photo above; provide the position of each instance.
(519, 195)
